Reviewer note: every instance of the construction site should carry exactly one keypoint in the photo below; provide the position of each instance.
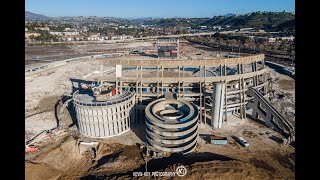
(109, 111)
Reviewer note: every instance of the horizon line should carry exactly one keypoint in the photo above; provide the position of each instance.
(132, 17)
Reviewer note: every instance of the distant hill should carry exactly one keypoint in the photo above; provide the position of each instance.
(260, 20)
(287, 26)
(229, 14)
(29, 16)
(176, 22)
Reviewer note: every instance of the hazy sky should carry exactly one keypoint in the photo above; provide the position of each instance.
(154, 8)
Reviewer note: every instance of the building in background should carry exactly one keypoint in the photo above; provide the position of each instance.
(168, 47)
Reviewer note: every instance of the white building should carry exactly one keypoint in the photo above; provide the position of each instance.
(65, 33)
(216, 27)
(71, 33)
(67, 29)
(122, 37)
(272, 40)
(288, 38)
(57, 33)
(42, 28)
(203, 27)
(246, 29)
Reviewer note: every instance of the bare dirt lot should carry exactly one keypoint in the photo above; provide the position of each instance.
(116, 158)
(61, 52)
(283, 96)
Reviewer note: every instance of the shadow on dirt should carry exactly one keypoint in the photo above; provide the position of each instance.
(163, 163)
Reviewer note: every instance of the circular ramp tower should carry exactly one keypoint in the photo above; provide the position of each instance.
(101, 119)
(171, 125)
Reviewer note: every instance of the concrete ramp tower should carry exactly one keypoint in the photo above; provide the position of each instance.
(104, 116)
(171, 125)
(217, 104)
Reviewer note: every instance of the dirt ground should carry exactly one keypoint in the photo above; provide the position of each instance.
(116, 158)
(64, 52)
(283, 98)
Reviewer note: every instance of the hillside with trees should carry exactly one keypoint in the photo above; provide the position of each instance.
(269, 21)
(244, 42)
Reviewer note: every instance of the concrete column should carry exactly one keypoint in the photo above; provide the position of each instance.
(255, 66)
(217, 104)
(178, 49)
(265, 89)
(141, 117)
(118, 71)
(183, 82)
(244, 99)
(157, 81)
(179, 82)
(136, 100)
(252, 67)
(225, 101)
(133, 116)
(162, 80)
(241, 101)
(242, 71)
(137, 76)
(254, 108)
(117, 86)
(115, 124)
(204, 102)
(200, 87)
(120, 86)
(183, 71)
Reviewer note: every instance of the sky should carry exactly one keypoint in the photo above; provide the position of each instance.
(154, 8)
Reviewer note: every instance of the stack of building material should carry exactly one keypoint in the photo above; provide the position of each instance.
(214, 139)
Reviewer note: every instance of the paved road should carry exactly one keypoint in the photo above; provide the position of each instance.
(132, 39)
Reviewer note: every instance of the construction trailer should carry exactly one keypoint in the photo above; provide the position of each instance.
(215, 139)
